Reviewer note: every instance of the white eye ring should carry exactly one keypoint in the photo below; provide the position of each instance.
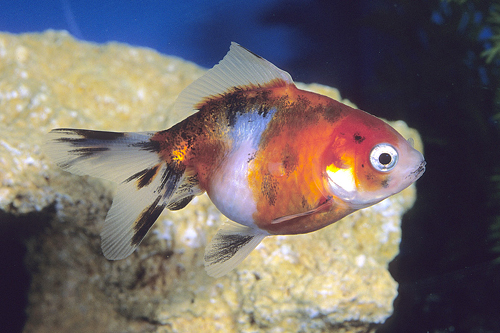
(384, 157)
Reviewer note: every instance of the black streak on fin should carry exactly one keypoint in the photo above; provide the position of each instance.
(91, 134)
(87, 152)
(149, 215)
(146, 220)
(152, 146)
(144, 177)
(229, 245)
(180, 204)
(170, 179)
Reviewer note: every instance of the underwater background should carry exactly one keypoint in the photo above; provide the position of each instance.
(433, 64)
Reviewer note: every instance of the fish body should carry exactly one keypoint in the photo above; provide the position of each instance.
(273, 158)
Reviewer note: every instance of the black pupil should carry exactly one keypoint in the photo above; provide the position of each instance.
(384, 158)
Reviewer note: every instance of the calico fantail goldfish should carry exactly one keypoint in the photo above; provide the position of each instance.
(274, 159)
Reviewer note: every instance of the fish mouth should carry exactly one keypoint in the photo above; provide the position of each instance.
(418, 172)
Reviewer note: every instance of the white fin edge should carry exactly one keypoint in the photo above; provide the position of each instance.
(232, 243)
(239, 68)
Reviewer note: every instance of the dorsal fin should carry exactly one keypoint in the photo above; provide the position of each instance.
(240, 68)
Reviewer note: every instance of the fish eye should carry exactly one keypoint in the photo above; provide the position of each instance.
(384, 157)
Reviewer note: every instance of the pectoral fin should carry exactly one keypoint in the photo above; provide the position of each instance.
(232, 243)
(323, 207)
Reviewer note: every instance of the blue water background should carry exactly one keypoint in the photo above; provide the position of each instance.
(201, 31)
(195, 30)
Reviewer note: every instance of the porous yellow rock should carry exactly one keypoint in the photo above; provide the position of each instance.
(333, 280)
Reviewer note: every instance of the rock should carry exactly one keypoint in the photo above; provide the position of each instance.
(333, 280)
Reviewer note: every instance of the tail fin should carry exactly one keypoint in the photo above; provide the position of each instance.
(147, 184)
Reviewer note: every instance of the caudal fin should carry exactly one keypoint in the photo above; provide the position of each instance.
(146, 183)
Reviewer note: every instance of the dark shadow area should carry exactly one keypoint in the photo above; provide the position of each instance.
(465, 300)
(15, 279)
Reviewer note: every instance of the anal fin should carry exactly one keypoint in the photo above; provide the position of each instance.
(232, 243)
(136, 207)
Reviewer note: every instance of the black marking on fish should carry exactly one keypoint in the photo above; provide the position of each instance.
(334, 111)
(385, 183)
(91, 134)
(187, 185)
(358, 138)
(67, 165)
(193, 180)
(234, 104)
(144, 177)
(146, 220)
(251, 157)
(270, 189)
(150, 145)
(181, 203)
(304, 202)
(74, 142)
(88, 151)
(169, 180)
(289, 160)
(227, 246)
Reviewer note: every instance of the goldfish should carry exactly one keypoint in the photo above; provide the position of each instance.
(274, 159)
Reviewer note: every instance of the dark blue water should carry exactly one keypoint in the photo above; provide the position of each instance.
(419, 61)
(199, 31)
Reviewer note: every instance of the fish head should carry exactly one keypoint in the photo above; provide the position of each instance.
(368, 161)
